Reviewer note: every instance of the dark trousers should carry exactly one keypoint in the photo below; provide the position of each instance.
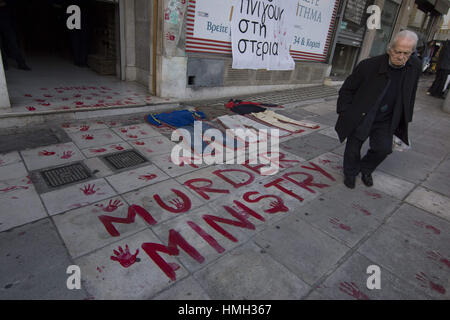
(439, 82)
(9, 38)
(380, 147)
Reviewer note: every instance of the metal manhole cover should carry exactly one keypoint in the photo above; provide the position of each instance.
(125, 159)
(64, 175)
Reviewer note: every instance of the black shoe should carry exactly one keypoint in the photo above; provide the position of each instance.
(350, 181)
(367, 179)
(23, 66)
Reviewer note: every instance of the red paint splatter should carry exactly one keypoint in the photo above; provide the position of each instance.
(436, 256)
(351, 289)
(67, 155)
(46, 153)
(98, 150)
(84, 128)
(362, 209)
(373, 195)
(119, 148)
(124, 257)
(427, 283)
(88, 137)
(148, 177)
(337, 224)
(31, 108)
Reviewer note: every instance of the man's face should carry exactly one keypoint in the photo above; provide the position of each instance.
(401, 51)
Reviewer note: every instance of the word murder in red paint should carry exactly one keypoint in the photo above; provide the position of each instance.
(240, 214)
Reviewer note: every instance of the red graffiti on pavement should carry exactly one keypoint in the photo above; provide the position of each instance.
(67, 155)
(148, 177)
(437, 256)
(351, 289)
(46, 153)
(362, 209)
(422, 224)
(427, 283)
(337, 224)
(182, 203)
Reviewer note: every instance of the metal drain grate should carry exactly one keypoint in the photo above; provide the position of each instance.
(64, 175)
(125, 159)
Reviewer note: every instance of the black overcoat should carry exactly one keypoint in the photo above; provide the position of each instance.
(363, 89)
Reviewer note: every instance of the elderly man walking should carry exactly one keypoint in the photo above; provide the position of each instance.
(376, 101)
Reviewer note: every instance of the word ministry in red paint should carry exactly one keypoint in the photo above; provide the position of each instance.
(239, 212)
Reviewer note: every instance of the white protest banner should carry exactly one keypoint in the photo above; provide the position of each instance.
(261, 34)
(313, 24)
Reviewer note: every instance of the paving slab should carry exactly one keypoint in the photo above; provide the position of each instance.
(165, 200)
(369, 201)
(391, 185)
(34, 264)
(409, 165)
(164, 162)
(85, 126)
(247, 273)
(105, 150)
(345, 223)
(186, 289)
(136, 178)
(19, 203)
(439, 180)
(111, 274)
(153, 146)
(136, 132)
(77, 196)
(330, 132)
(349, 282)
(432, 231)
(51, 156)
(9, 158)
(407, 259)
(83, 231)
(95, 138)
(431, 202)
(310, 146)
(13, 171)
(306, 251)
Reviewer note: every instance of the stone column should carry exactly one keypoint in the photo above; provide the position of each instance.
(5, 105)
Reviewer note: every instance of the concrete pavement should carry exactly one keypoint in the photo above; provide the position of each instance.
(161, 231)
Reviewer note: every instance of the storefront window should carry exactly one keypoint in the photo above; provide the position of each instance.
(383, 35)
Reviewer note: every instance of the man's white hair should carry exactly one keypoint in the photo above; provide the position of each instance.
(405, 34)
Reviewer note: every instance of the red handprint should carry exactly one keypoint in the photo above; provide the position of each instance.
(98, 150)
(117, 147)
(125, 258)
(88, 137)
(140, 143)
(46, 153)
(170, 36)
(422, 224)
(178, 204)
(89, 190)
(112, 206)
(65, 125)
(427, 283)
(143, 133)
(337, 224)
(277, 206)
(148, 177)
(352, 290)
(132, 136)
(159, 142)
(373, 195)
(360, 208)
(84, 128)
(67, 155)
(123, 130)
(436, 256)
(31, 108)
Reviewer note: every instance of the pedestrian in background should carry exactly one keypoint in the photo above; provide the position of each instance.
(443, 70)
(377, 101)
